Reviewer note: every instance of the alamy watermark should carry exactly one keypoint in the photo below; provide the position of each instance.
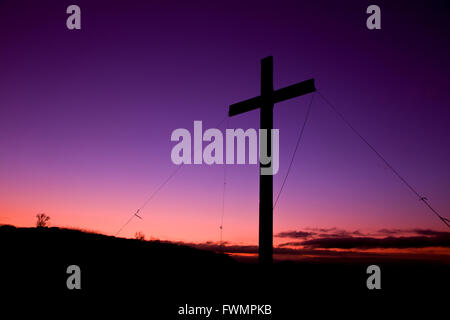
(235, 147)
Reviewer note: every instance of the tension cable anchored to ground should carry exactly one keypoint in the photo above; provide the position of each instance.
(154, 193)
(403, 180)
(300, 136)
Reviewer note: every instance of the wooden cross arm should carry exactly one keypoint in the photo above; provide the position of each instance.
(244, 106)
(295, 90)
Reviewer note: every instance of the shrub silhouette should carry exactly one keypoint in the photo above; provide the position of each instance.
(42, 220)
(139, 236)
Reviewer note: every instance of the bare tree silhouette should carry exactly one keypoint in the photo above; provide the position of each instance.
(42, 220)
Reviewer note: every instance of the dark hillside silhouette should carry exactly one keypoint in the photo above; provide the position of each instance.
(38, 258)
(76, 244)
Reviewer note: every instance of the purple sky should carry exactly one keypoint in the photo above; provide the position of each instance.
(86, 116)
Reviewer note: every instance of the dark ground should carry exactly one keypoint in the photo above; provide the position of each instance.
(157, 278)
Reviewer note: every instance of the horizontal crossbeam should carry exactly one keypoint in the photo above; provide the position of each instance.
(295, 90)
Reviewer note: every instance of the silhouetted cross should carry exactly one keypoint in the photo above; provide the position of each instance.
(265, 103)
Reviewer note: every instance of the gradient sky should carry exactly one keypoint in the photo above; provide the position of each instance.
(86, 116)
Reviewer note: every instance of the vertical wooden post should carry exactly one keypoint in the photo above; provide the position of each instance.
(266, 181)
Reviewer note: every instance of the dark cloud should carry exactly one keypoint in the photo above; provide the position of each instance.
(428, 232)
(370, 242)
(391, 231)
(334, 238)
(294, 234)
(338, 234)
(326, 230)
(318, 232)
(291, 244)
